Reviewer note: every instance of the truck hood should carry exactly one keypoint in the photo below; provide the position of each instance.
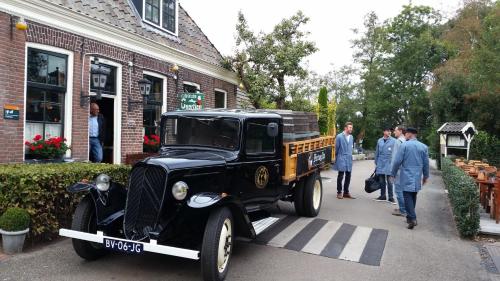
(185, 159)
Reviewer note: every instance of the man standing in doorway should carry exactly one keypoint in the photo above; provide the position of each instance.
(399, 133)
(343, 160)
(96, 133)
(412, 161)
(383, 155)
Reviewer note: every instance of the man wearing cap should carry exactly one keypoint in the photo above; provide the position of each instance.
(412, 161)
(399, 133)
(383, 156)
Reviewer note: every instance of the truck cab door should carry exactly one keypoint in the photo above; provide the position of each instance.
(260, 170)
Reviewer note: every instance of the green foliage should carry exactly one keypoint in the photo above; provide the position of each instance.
(323, 111)
(14, 219)
(467, 84)
(395, 58)
(40, 189)
(487, 147)
(464, 198)
(265, 60)
(415, 48)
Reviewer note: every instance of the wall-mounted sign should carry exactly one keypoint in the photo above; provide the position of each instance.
(192, 101)
(10, 112)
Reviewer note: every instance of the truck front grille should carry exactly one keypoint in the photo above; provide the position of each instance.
(145, 196)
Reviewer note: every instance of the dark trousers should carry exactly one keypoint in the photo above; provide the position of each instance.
(410, 204)
(385, 183)
(347, 181)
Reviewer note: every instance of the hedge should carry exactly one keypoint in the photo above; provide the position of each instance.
(41, 190)
(464, 198)
(487, 147)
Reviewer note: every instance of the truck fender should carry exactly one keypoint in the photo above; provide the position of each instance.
(211, 200)
(110, 205)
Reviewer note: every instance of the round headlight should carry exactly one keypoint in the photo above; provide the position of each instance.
(102, 182)
(180, 190)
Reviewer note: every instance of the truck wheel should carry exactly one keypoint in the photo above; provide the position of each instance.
(217, 245)
(313, 193)
(85, 220)
(298, 197)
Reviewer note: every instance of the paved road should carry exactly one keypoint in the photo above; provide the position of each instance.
(432, 251)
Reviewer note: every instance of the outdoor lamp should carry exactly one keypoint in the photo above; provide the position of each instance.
(144, 89)
(99, 79)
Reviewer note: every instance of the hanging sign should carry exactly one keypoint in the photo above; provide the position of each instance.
(10, 112)
(192, 101)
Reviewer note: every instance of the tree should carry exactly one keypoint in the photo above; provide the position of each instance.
(467, 85)
(485, 73)
(323, 111)
(265, 60)
(369, 54)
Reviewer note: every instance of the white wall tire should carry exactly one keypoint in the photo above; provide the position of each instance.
(313, 195)
(217, 245)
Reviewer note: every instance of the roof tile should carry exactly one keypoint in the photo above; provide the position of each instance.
(123, 14)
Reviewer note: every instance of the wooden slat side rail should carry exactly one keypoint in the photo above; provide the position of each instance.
(292, 149)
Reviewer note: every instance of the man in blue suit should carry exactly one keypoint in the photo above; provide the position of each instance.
(383, 157)
(412, 161)
(343, 160)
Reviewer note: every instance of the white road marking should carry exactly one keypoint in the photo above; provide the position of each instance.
(263, 224)
(288, 233)
(354, 248)
(321, 238)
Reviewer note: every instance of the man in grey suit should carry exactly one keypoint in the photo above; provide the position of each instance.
(343, 160)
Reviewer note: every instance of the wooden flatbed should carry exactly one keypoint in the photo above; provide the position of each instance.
(300, 158)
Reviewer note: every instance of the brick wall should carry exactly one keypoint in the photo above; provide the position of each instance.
(12, 84)
(12, 60)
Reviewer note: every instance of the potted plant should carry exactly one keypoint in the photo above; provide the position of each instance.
(151, 143)
(52, 148)
(14, 225)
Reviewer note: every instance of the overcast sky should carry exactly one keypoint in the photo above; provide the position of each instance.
(331, 22)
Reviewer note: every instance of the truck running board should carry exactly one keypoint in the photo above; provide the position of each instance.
(152, 246)
(263, 224)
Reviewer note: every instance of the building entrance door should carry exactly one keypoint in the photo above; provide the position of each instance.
(106, 108)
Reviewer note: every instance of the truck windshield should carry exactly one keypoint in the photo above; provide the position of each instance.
(218, 132)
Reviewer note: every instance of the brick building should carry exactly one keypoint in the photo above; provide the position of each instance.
(45, 71)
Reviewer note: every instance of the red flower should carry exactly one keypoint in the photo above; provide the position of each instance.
(40, 146)
(37, 138)
(155, 137)
(27, 143)
(33, 148)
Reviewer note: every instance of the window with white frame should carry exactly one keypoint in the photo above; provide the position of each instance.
(190, 87)
(220, 98)
(45, 94)
(161, 13)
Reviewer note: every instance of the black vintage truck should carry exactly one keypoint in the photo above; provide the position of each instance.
(214, 177)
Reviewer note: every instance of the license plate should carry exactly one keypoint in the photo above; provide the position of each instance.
(123, 246)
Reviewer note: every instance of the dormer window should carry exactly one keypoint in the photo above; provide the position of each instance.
(162, 14)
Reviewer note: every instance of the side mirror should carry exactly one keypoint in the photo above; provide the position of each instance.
(272, 129)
